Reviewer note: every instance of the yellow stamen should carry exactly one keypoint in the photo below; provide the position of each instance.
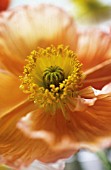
(52, 76)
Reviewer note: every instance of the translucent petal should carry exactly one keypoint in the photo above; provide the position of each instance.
(24, 28)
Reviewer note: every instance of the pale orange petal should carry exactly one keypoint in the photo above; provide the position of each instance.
(10, 94)
(93, 50)
(17, 149)
(99, 75)
(93, 47)
(87, 92)
(48, 138)
(86, 127)
(94, 123)
(24, 28)
(10, 136)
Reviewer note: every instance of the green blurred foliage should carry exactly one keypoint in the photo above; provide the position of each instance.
(92, 11)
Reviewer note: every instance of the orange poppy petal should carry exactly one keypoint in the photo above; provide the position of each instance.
(24, 28)
(54, 130)
(93, 47)
(87, 126)
(99, 75)
(48, 138)
(10, 95)
(87, 92)
(94, 123)
(10, 137)
(18, 150)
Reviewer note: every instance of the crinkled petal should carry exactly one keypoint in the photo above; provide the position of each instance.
(99, 75)
(87, 92)
(94, 48)
(8, 129)
(94, 123)
(49, 138)
(24, 28)
(18, 149)
(10, 94)
(86, 127)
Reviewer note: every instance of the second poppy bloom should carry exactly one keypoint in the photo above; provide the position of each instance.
(4, 4)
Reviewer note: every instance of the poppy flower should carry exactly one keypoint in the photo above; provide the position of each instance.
(4, 4)
(57, 100)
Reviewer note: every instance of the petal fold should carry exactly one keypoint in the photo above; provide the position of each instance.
(93, 124)
(94, 52)
(99, 75)
(24, 28)
(94, 47)
(48, 144)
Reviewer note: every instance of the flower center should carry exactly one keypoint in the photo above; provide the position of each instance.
(53, 75)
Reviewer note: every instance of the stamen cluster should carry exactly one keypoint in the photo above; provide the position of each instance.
(51, 77)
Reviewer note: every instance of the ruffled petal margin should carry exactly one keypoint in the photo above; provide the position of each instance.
(99, 75)
(95, 121)
(20, 150)
(47, 138)
(87, 128)
(24, 28)
(94, 47)
(94, 52)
